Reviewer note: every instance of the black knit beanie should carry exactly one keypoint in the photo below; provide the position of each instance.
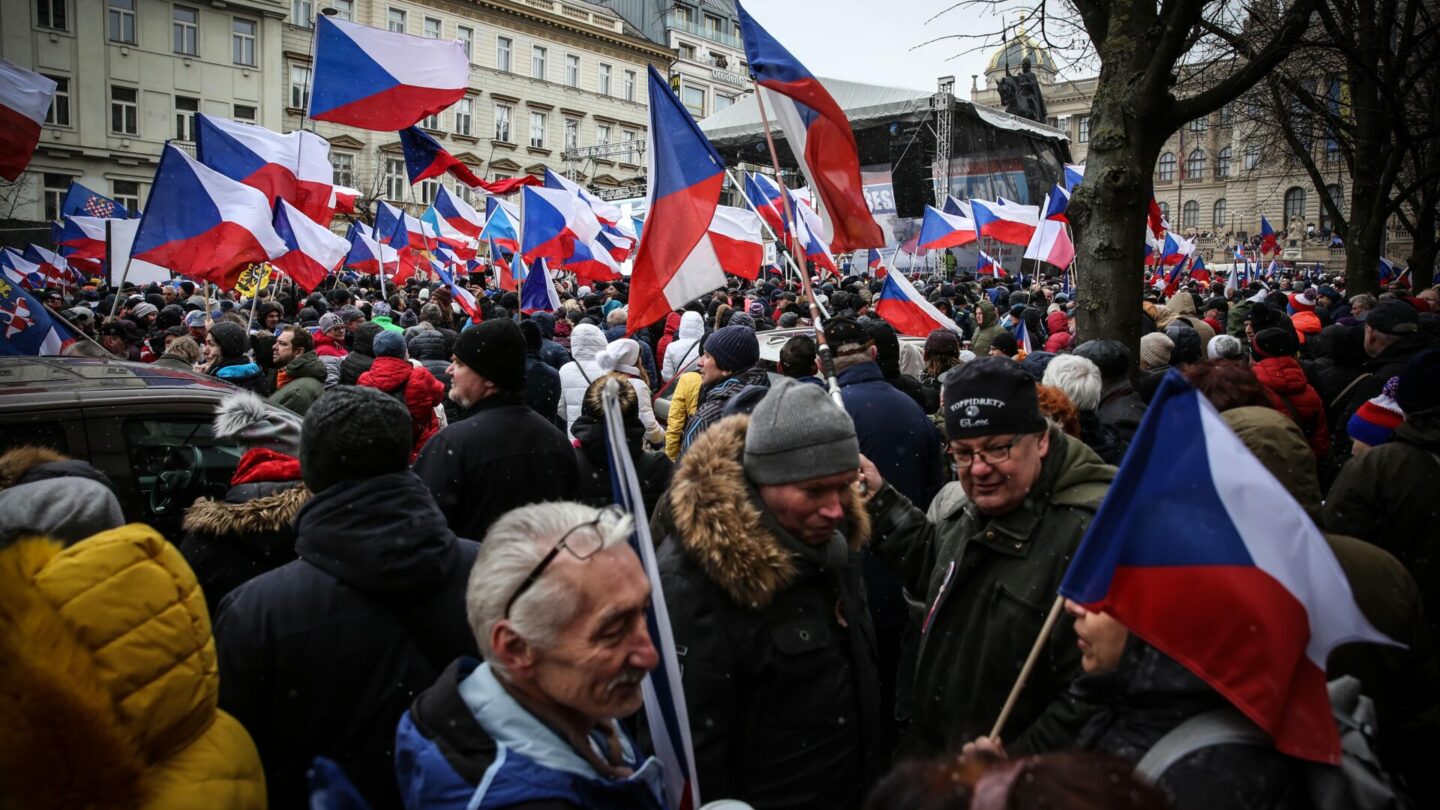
(352, 433)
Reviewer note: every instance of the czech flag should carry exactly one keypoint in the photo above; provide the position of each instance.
(382, 80)
(1051, 243)
(1010, 224)
(1176, 250)
(904, 308)
(876, 264)
(458, 214)
(538, 294)
(686, 174)
(501, 227)
(267, 160)
(554, 222)
(819, 135)
(1268, 241)
(454, 241)
(82, 238)
(764, 193)
(734, 237)
(425, 158)
(27, 327)
(1074, 173)
(1022, 339)
(52, 267)
(607, 212)
(1199, 551)
(1198, 270)
(82, 202)
(591, 262)
(462, 296)
(1056, 205)
(940, 230)
(807, 232)
(313, 250)
(1388, 270)
(368, 255)
(957, 206)
(202, 224)
(25, 99)
(987, 265)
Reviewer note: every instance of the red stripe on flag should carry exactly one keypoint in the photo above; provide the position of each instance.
(217, 255)
(686, 216)
(394, 109)
(18, 136)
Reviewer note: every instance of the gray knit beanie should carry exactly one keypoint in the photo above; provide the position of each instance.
(798, 433)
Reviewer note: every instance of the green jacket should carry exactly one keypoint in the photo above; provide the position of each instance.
(1235, 321)
(980, 344)
(988, 585)
(385, 323)
(305, 385)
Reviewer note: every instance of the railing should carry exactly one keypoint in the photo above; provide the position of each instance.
(680, 21)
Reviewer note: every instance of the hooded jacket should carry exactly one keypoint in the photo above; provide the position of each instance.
(326, 346)
(418, 388)
(988, 583)
(1182, 306)
(775, 641)
(672, 328)
(554, 355)
(1291, 394)
(683, 352)
(321, 656)
(305, 382)
(576, 375)
(593, 463)
(240, 371)
(987, 332)
(108, 681)
(362, 354)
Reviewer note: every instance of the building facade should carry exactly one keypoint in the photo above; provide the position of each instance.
(1214, 178)
(130, 75)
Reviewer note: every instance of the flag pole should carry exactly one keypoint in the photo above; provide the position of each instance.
(1025, 670)
(822, 348)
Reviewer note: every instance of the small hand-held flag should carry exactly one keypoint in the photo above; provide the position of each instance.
(313, 250)
(905, 309)
(1268, 240)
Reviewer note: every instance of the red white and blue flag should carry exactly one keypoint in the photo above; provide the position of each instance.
(383, 80)
(462, 246)
(52, 267)
(81, 237)
(1010, 224)
(426, 158)
(1204, 555)
(294, 167)
(764, 193)
(1074, 173)
(1022, 337)
(313, 250)
(940, 230)
(1268, 241)
(25, 98)
(367, 254)
(1155, 219)
(876, 264)
(458, 214)
(1056, 204)
(903, 307)
(808, 236)
(501, 224)
(553, 222)
(734, 236)
(20, 270)
(1051, 243)
(819, 135)
(462, 296)
(537, 292)
(26, 327)
(1198, 271)
(686, 174)
(955, 205)
(987, 265)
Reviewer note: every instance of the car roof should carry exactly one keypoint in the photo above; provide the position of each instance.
(48, 380)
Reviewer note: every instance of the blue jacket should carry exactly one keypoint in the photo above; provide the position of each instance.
(466, 743)
(894, 433)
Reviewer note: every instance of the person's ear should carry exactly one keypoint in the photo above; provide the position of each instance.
(1044, 443)
(514, 653)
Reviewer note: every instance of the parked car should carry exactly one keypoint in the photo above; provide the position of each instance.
(147, 428)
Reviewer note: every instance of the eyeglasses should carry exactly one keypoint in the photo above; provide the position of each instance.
(582, 542)
(964, 456)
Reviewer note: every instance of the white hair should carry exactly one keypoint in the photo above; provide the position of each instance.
(1078, 377)
(513, 546)
(617, 316)
(1225, 347)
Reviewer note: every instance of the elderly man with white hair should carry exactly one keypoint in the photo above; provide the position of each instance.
(557, 603)
(1081, 381)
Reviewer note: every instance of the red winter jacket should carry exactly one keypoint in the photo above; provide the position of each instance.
(672, 325)
(1291, 394)
(422, 393)
(326, 346)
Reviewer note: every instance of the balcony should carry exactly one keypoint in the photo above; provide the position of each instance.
(680, 22)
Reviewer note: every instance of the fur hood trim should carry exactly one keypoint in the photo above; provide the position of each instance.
(270, 513)
(718, 521)
(14, 464)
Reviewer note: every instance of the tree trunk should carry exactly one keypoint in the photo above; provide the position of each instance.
(1424, 247)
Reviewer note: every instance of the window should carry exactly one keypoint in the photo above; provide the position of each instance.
(428, 189)
(694, 100)
(572, 133)
(685, 13)
(1252, 156)
(343, 164)
(1227, 115)
(537, 130)
(186, 26)
(572, 70)
(54, 189)
(687, 51)
(722, 101)
(502, 123)
(537, 62)
(124, 111)
(502, 54)
(344, 9)
(627, 137)
(185, 109)
(467, 40)
(395, 179)
(152, 444)
(1084, 136)
(245, 113)
(602, 134)
(242, 42)
(1326, 221)
(59, 113)
(299, 87)
(430, 122)
(464, 116)
(122, 21)
(432, 28)
(1294, 206)
(1199, 125)
(629, 85)
(1165, 210)
(1166, 171)
(395, 20)
(1222, 163)
(1195, 165)
(1218, 220)
(604, 80)
(126, 192)
(1190, 214)
(465, 193)
(713, 26)
(51, 14)
(302, 13)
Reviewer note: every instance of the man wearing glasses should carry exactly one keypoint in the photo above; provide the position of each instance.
(988, 557)
(557, 603)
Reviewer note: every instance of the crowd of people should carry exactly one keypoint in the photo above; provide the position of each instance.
(418, 593)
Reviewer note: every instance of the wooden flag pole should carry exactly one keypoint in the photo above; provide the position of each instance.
(1025, 670)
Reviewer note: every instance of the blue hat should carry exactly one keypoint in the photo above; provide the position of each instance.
(734, 348)
(389, 344)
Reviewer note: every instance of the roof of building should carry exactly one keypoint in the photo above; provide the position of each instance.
(1017, 50)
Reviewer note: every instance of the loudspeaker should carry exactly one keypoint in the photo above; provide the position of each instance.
(910, 170)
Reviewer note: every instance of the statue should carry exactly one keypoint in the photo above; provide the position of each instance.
(1023, 91)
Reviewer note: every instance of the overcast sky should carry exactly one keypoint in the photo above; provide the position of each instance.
(871, 40)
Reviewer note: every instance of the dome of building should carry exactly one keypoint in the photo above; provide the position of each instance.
(1017, 50)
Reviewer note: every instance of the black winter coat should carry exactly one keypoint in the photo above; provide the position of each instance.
(542, 389)
(1121, 408)
(1149, 694)
(322, 656)
(232, 541)
(593, 460)
(432, 350)
(500, 455)
(362, 354)
(775, 642)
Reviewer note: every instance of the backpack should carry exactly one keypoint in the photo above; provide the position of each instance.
(1359, 783)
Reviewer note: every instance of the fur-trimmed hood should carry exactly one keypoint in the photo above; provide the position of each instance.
(14, 464)
(718, 518)
(266, 514)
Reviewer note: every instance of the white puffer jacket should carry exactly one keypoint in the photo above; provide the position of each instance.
(576, 375)
(683, 353)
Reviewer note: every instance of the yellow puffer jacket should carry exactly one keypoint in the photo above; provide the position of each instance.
(683, 402)
(108, 681)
